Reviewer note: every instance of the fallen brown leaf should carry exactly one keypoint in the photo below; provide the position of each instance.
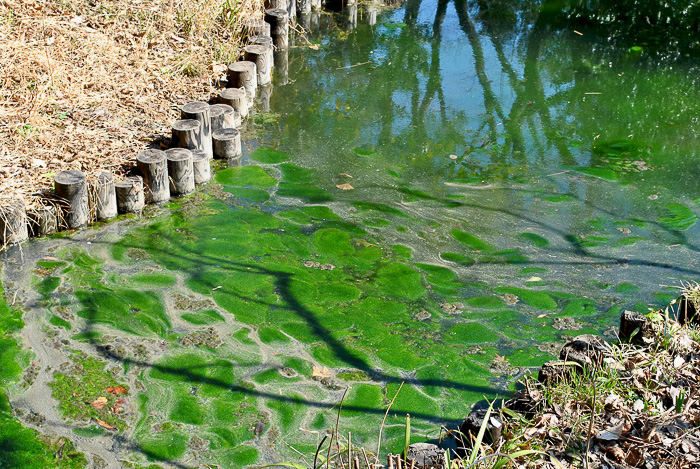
(99, 403)
(345, 187)
(117, 390)
(104, 424)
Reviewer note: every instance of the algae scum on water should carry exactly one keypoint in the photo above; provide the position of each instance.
(404, 216)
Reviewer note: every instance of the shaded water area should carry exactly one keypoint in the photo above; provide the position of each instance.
(438, 196)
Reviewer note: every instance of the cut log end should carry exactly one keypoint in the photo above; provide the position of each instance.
(227, 144)
(180, 171)
(130, 195)
(71, 189)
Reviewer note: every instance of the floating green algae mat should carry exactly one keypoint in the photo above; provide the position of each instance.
(390, 226)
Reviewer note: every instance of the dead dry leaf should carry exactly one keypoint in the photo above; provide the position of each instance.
(117, 390)
(104, 424)
(345, 187)
(99, 403)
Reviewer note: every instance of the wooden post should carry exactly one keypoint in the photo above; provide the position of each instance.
(42, 220)
(104, 197)
(201, 167)
(154, 169)
(199, 110)
(279, 29)
(258, 54)
(266, 28)
(180, 171)
(187, 133)
(281, 67)
(227, 144)
(223, 116)
(71, 187)
(267, 42)
(265, 95)
(13, 223)
(236, 98)
(244, 74)
(130, 195)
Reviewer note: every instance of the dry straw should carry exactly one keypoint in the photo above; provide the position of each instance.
(86, 85)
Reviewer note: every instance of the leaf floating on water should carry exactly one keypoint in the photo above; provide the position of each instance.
(345, 187)
(679, 217)
(104, 424)
(99, 403)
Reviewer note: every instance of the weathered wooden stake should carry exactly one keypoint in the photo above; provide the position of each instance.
(104, 197)
(227, 144)
(71, 187)
(201, 167)
(187, 133)
(267, 42)
(222, 117)
(236, 98)
(13, 223)
(279, 30)
(244, 74)
(266, 28)
(130, 195)
(258, 54)
(282, 66)
(42, 220)
(154, 169)
(199, 110)
(180, 171)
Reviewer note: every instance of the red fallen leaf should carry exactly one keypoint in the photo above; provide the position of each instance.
(104, 424)
(120, 401)
(117, 390)
(99, 403)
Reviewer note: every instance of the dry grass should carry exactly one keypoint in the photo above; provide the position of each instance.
(87, 84)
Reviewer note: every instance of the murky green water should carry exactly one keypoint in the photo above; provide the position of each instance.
(433, 199)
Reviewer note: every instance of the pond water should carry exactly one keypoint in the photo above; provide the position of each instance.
(438, 195)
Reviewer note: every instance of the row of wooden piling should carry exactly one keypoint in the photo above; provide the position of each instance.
(204, 131)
